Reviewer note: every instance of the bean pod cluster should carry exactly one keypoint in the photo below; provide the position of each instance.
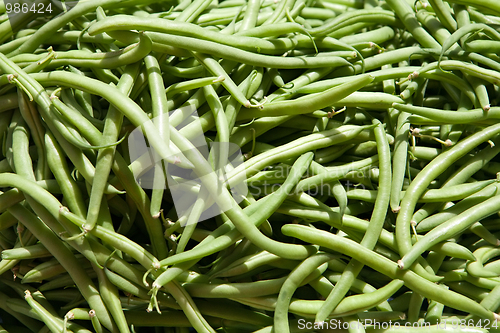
(366, 197)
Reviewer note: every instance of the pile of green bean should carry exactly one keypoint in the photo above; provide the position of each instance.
(369, 131)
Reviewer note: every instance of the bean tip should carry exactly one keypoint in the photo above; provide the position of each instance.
(396, 209)
(413, 76)
(401, 265)
(219, 79)
(27, 294)
(496, 316)
(487, 107)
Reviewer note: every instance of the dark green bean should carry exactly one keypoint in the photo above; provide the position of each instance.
(388, 267)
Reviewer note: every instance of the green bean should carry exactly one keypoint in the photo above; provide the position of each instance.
(132, 111)
(399, 161)
(277, 29)
(120, 100)
(81, 162)
(433, 169)
(41, 211)
(26, 252)
(48, 270)
(66, 258)
(453, 249)
(491, 300)
(358, 286)
(450, 228)
(312, 141)
(128, 55)
(165, 319)
(110, 298)
(188, 306)
(250, 18)
(248, 263)
(176, 88)
(434, 26)
(443, 14)
(127, 22)
(405, 13)
(466, 171)
(416, 301)
(451, 193)
(481, 231)
(349, 305)
(246, 57)
(120, 242)
(387, 267)
(33, 325)
(476, 268)
(374, 229)
(469, 290)
(104, 160)
(46, 31)
(55, 324)
(215, 68)
(229, 310)
(212, 243)
(234, 290)
(435, 311)
(63, 281)
(232, 108)
(20, 149)
(6, 264)
(304, 80)
(353, 17)
(452, 117)
(192, 12)
(71, 110)
(310, 103)
(59, 168)
(330, 216)
(443, 62)
(480, 89)
(33, 121)
(272, 202)
(95, 321)
(367, 100)
(289, 286)
(194, 216)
